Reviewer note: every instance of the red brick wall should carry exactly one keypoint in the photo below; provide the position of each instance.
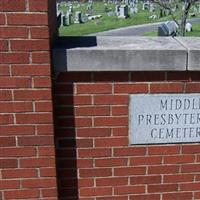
(27, 161)
(95, 161)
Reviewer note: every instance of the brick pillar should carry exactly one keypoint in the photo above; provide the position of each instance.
(27, 154)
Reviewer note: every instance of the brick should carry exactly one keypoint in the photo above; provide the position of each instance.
(9, 184)
(111, 162)
(111, 99)
(14, 5)
(8, 163)
(52, 192)
(18, 152)
(47, 151)
(111, 142)
(35, 141)
(111, 121)
(119, 110)
(7, 141)
(94, 88)
(120, 131)
(48, 172)
(178, 196)
(190, 149)
(29, 45)
(176, 178)
(97, 172)
(39, 183)
(81, 143)
(9, 58)
(3, 45)
(13, 32)
(42, 82)
(37, 5)
(86, 182)
(93, 132)
(192, 87)
(147, 76)
(82, 100)
(145, 197)
(34, 118)
(27, 19)
(95, 191)
(39, 32)
(92, 111)
(2, 19)
(69, 77)
(114, 181)
(6, 119)
(163, 169)
(190, 168)
(94, 153)
(162, 188)
(84, 163)
(43, 106)
(5, 95)
(27, 95)
(31, 70)
(15, 107)
(4, 70)
(129, 190)
(179, 159)
(130, 88)
(17, 130)
(150, 160)
(21, 194)
(111, 197)
(166, 88)
(13, 82)
(136, 180)
(163, 150)
(37, 162)
(111, 76)
(40, 57)
(189, 186)
(131, 151)
(19, 173)
(180, 76)
(126, 171)
(45, 129)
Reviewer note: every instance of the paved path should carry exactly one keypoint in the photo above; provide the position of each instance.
(136, 30)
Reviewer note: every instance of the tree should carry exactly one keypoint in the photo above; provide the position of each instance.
(171, 4)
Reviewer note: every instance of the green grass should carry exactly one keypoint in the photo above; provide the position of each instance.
(194, 33)
(107, 23)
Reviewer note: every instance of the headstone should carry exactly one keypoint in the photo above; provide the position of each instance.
(188, 27)
(68, 19)
(167, 29)
(123, 11)
(71, 9)
(117, 9)
(164, 118)
(151, 8)
(57, 8)
(78, 17)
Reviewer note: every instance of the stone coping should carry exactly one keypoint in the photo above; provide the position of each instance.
(127, 54)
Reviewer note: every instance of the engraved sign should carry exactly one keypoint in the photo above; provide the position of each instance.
(164, 118)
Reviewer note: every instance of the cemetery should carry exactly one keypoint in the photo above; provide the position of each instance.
(82, 18)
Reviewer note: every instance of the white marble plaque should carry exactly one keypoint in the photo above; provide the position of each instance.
(164, 118)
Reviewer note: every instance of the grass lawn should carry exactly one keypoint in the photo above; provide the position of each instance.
(194, 33)
(106, 22)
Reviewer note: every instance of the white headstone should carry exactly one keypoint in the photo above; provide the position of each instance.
(78, 17)
(188, 27)
(123, 11)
